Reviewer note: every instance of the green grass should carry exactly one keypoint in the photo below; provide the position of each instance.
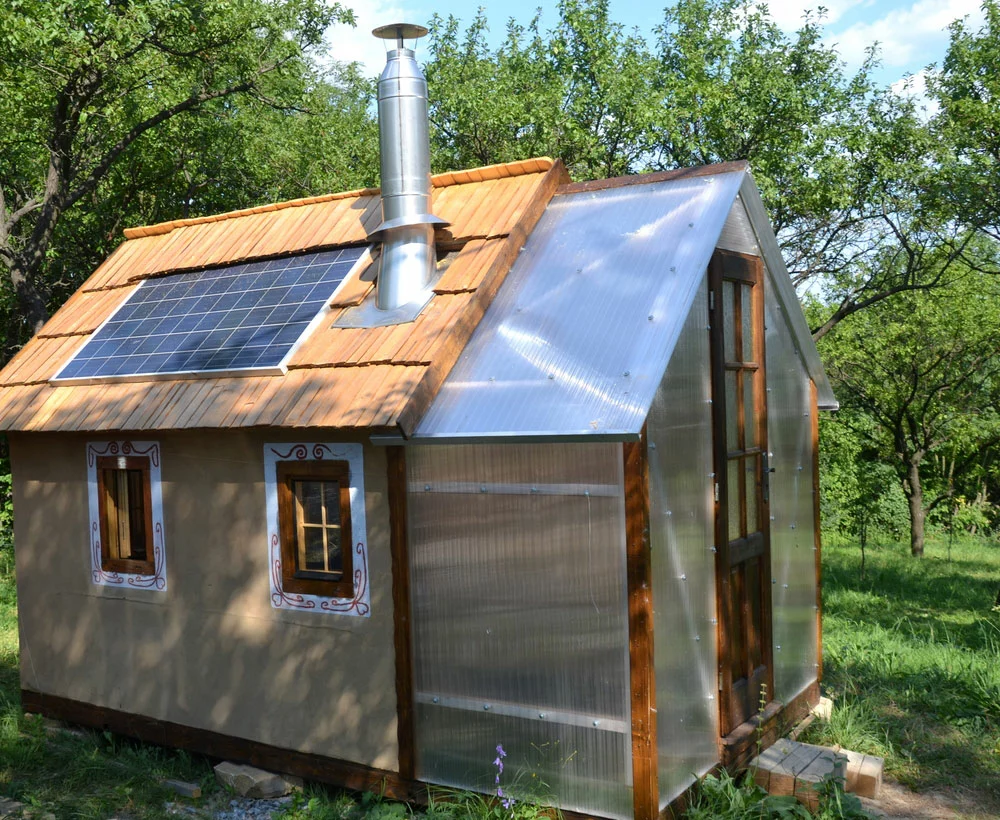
(912, 660)
(911, 657)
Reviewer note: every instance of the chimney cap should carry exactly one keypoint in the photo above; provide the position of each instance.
(400, 31)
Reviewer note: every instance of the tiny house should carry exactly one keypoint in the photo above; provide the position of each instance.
(360, 486)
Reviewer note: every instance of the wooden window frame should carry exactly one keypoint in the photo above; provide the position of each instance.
(125, 565)
(312, 582)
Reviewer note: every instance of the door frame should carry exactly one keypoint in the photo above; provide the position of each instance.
(739, 267)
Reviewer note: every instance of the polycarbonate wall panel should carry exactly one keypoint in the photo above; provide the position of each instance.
(793, 555)
(681, 535)
(520, 622)
(578, 337)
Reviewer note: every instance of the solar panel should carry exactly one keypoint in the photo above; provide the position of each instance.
(241, 317)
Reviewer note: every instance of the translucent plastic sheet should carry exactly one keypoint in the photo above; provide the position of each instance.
(520, 627)
(578, 337)
(681, 534)
(793, 555)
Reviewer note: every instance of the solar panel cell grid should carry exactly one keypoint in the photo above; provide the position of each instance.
(235, 318)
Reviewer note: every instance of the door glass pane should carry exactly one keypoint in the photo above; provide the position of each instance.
(728, 321)
(732, 436)
(749, 416)
(747, 322)
(733, 488)
(751, 493)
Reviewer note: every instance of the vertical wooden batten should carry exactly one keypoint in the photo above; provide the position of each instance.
(402, 639)
(640, 622)
(817, 536)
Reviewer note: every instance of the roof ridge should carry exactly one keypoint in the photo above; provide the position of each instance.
(486, 172)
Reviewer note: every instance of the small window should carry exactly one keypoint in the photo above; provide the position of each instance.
(314, 514)
(125, 511)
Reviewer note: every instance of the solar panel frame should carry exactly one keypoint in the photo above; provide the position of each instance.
(263, 324)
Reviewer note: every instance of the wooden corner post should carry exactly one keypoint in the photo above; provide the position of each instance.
(640, 629)
(402, 643)
(817, 537)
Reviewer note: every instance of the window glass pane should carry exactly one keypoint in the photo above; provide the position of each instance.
(751, 491)
(749, 416)
(331, 500)
(747, 317)
(136, 515)
(734, 491)
(310, 498)
(124, 509)
(732, 434)
(314, 549)
(333, 549)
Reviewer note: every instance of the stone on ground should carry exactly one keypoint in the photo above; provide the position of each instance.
(10, 808)
(248, 781)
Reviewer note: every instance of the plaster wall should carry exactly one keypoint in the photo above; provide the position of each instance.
(210, 652)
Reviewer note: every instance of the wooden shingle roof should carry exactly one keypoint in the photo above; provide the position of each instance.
(348, 378)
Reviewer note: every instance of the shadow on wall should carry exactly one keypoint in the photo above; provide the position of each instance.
(210, 651)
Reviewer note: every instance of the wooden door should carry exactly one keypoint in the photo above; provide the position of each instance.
(743, 558)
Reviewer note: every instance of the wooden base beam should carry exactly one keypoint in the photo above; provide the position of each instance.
(353, 776)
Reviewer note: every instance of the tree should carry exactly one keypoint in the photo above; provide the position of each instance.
(925, 369)
(966, 90)
(842, 164)
(110, 92)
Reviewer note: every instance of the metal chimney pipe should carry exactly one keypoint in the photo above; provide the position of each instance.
(407, 261)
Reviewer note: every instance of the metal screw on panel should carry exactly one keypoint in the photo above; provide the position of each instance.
(713, 549)
(534, 489)
(792, 526)
(586, 493)
(436, 700)
(626, 374)
(672, 268)
(683, 576)
(652, 445)
(715, 621)
(597, 723)
(486, 706)
(670, 512)
(690, 224)
(650, 317)
(697, 637)
(774, 580)
(493, 378)
(427, 488)
(784, 586)
(778, 647)
(482, 488)
(541, 715)
(552, 375)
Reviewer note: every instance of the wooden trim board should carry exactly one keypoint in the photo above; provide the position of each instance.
(402, 637)
(354, 776)
(640, 621)
(817, 527)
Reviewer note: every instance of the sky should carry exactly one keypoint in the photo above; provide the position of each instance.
(911, 34)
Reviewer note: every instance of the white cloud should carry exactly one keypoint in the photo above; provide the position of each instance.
(788, 15)
(357, 44)
(915, 87)
(916, 34)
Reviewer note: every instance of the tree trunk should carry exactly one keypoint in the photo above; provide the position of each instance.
(32, 306)
(917, 513)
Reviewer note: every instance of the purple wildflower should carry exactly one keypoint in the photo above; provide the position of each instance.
(506, 800)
